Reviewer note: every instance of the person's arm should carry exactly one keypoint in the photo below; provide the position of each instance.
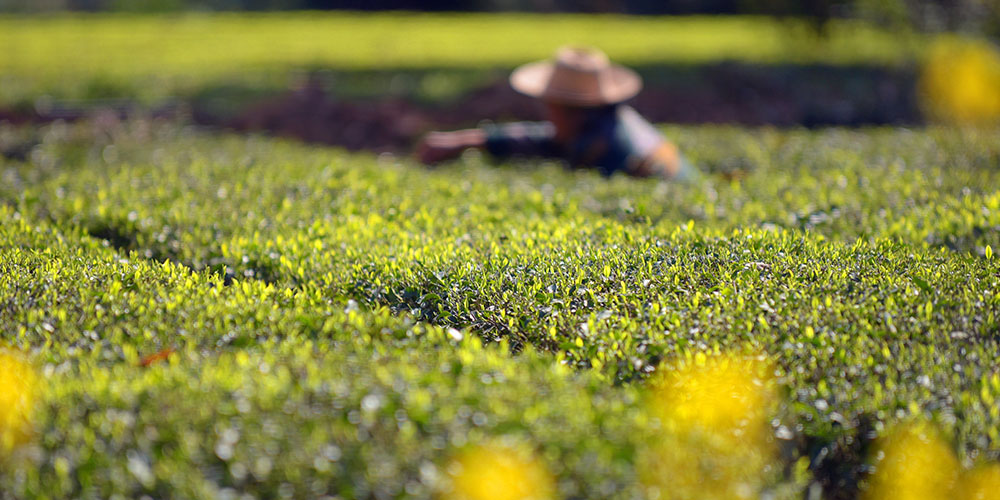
(525, 139)
(500, 141)
(665, 162)
(437, 147)
(650, 153)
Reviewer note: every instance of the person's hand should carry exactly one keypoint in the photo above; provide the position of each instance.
(437, 147)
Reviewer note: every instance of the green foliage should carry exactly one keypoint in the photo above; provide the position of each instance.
(859, 262)
(152, 58)
(303, 420)
(272, 392)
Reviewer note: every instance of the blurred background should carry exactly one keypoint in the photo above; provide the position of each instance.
(377, 74)
(979, 16)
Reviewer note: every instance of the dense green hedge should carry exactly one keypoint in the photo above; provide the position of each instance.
(859, 262)
(270, 391)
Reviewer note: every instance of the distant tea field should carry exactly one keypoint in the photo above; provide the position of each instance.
(157, 57)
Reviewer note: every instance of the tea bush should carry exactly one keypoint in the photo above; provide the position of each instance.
(860, 263)
(269, 391)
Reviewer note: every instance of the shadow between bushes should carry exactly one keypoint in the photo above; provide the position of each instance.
(386, 111)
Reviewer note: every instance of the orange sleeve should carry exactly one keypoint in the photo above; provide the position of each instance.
(664, 161)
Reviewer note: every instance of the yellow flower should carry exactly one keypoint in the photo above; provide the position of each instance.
(960, 83)
(726, 395)
(498, 472)
(981, 483)
(18, 391)
(716, 442)
(913, 463)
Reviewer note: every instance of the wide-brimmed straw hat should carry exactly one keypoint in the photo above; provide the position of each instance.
(577, 76)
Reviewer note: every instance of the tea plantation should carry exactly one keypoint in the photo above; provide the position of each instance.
(153, 59)
(243, 317)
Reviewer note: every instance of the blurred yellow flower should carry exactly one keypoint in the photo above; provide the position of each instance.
(716, 441)
(913, 463)
(18, 391)
(960, 83)
(498, 472)
(729, 396)
(981, 483)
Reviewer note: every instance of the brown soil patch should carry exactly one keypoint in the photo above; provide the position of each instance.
(726, 93)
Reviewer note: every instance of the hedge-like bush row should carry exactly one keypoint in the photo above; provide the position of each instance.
(160, 381)
(859, 263)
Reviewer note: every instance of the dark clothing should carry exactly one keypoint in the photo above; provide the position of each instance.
(614, 139)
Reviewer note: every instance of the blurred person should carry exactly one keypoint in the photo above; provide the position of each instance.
(588, 126)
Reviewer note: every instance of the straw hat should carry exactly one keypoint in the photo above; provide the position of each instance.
(578, 76)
